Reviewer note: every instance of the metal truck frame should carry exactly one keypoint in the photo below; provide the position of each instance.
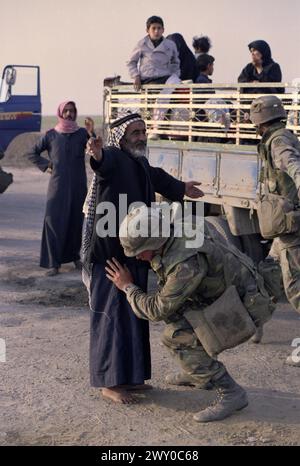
(206, 135)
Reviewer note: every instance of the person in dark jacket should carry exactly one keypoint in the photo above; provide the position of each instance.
(62, 231)
(188, 66)
(262, 69)
(119, 341)
(205, 67)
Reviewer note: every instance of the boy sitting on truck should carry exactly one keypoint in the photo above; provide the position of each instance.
(154, 59)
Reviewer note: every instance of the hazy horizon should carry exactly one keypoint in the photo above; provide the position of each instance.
(77, 44)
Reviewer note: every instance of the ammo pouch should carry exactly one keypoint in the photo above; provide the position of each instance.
(259, 306)
(276, 216)
(270, 270)
(258, 301)
(224, 324)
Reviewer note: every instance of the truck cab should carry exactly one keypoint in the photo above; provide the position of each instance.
(20, 102)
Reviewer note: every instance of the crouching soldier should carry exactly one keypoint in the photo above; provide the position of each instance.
(211, 298)
(278, 208)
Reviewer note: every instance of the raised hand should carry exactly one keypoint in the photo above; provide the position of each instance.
(89, 125)
(94, 148)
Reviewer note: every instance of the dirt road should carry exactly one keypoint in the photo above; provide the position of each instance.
(45, 397)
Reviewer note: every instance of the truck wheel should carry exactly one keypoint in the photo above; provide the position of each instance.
(222, 227)
(252, 246)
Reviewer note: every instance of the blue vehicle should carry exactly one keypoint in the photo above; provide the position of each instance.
(20, 107)
(20, 102)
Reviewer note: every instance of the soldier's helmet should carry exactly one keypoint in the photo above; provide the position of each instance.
(141, 230)
(265, 109)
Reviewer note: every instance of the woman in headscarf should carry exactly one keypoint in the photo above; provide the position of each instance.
(65, 144)
(262, 69)
(188, 66)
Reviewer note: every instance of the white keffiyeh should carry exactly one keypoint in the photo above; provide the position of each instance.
(116, 133)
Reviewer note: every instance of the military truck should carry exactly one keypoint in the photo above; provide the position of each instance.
(20, 108)
(206, 135)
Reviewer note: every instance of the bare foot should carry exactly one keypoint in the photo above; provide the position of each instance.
(52, 272)
(118, 395)
(143, 386)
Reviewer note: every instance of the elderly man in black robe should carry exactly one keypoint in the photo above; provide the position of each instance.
(62, 231)
(119, 341)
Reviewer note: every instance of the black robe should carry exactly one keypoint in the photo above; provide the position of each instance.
(119, 341)
(188, 63)
(121, 173)
(62, 231)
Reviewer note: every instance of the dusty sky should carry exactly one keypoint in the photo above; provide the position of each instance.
(79, 42)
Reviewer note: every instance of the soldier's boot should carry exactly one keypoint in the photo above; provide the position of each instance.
(258, 335)
(292, 361)
(230, 398)
(184, 379)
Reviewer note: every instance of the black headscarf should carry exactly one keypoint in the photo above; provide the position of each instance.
(263, 48)
(271, 71)
(188, 65)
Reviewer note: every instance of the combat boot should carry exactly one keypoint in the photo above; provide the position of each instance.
(230, 398)
(184, 379)
(258, 335)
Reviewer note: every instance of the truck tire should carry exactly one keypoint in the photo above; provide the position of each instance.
(252, 246)
(222, 227)
(5, 180)
(18, 147)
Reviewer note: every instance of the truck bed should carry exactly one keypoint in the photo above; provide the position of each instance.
(229, 173)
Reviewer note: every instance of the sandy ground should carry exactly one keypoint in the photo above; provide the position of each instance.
(45, 397)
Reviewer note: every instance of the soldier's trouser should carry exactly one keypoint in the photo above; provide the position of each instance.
(181, 340)
(289, 249)
(274, 251)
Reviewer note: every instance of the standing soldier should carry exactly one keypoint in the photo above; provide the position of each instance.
(205, 297)
(280, 153)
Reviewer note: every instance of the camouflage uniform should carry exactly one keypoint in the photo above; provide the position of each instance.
(204, 295)
(176, 285)
(280, 151)
(188, 278)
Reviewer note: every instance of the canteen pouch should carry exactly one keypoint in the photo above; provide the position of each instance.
(276, 216)
(222, 325)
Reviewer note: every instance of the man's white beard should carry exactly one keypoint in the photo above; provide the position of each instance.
(135, 152)
(138, 152)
